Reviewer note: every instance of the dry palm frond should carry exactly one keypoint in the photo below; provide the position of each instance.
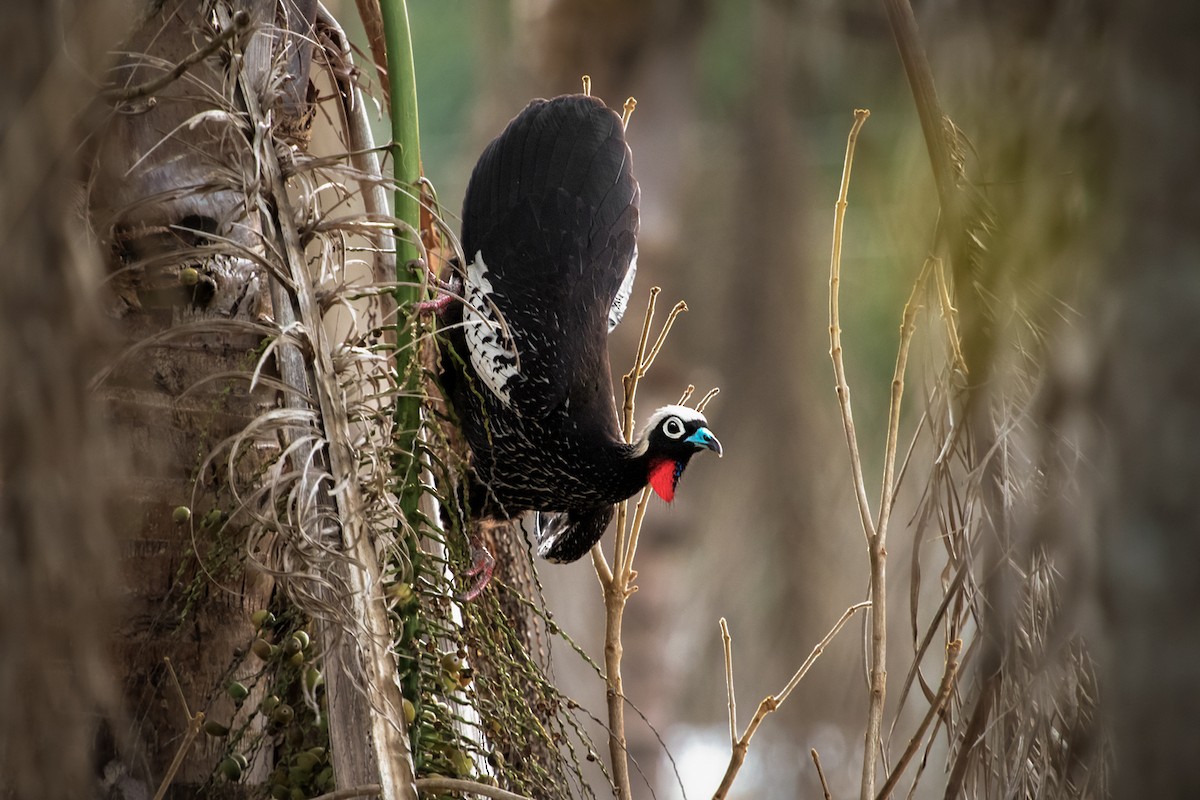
(1021, 718)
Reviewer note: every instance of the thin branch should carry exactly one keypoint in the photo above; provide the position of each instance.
(875, 537)
(619, 545)
(429, 785)
(627, 572)
(615, 596)
(614, 582)
(187, 712)
(949, 314)
(239, 23)
(948, 676)
(835, 330)
(821, 774)
(727, 643)
(629, 380)
(907, 326)
(194, 724)
(679, 308)
(603, 571)
(770, 703)
(818, 650)
(704, 401)
(627, 111)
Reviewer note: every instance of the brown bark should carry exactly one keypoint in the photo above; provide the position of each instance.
(164, 180)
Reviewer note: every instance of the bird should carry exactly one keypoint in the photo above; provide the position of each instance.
(549, 242)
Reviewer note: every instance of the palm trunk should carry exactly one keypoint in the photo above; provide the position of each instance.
(186, 316)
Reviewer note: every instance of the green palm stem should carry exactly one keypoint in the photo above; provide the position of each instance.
(406, 161)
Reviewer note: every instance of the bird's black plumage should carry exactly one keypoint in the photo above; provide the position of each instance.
(549, 235)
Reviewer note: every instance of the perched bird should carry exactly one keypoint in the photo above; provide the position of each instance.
(549, 235)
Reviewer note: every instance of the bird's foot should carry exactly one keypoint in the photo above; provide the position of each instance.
(448, 292)
(482, 567)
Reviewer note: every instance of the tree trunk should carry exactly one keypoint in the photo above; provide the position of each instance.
(161, 197)
(243, 471)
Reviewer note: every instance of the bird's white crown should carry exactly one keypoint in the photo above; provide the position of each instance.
(685, 414)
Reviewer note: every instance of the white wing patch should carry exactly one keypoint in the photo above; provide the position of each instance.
(493, 354)
(617, 309)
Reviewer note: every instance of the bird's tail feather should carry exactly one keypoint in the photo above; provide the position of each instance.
(568, 537)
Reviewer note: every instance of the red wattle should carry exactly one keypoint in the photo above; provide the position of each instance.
(662, 479)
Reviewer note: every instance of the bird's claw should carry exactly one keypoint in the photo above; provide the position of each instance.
(448, 292)
(435, 306)
(482, 567)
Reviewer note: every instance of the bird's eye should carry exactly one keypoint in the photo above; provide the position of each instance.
(673, 427)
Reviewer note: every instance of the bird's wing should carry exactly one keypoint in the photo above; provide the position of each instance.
(549, 231)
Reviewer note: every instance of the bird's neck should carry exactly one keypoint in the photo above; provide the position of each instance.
(663, 477)
(640, 469)
(624, 470)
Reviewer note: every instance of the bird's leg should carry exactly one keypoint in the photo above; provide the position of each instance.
(483, 564)
(447, 292)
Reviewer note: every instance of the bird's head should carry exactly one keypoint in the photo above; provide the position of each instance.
(670, 438)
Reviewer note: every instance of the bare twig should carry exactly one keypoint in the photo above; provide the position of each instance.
(239, 23)
(907, 326)
(629, 384)
(770, 703)
(704, 401)
(429, 785)
(627, 573)
(949, 314)
(727, 643)
(820, 774)
(948, 676)
(604, 572)
(614, 611)
(630, 379)
(622, 552)
(835, 330)
(679, 308)
(194, 723)
(627, 111)
(617, 581)
(875, 536)
(819, 649)
(187, 712)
